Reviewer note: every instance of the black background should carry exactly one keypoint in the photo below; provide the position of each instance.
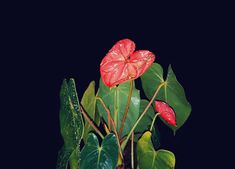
(43, 43)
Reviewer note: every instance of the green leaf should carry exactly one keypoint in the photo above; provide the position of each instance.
(89, 105)
(99, 157)
(172, 92)
(148, 158)
(71, 125)
(115, 99)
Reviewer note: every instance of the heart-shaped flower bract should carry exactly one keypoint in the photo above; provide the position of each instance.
(121, 63)
(166, 112)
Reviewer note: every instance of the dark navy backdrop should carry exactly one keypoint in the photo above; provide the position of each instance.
(45, 43)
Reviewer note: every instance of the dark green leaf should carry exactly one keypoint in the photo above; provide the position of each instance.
(148, 158)
(94, 156)
(172, 92)
(115, 99)
(89, 105)
(71, 125)
(63, 158)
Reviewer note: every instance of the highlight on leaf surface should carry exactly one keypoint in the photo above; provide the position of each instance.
(122, 63)
(71, 124)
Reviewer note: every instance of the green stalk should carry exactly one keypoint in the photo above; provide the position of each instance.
(127, 108)
(154, 119)
(132, 151)
(91, 123)
(113, 124)
(115, 108)
(141, 116)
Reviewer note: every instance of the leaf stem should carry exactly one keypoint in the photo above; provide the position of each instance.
(91, 123)
(154, 119)
(132, 151)
(141, 116)
(126, 108)
(107, 110)
(113, 124)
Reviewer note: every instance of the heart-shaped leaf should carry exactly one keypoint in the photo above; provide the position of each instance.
(94, 156)
(122, 64)
(89, 105)
(148, 158)
(71, 125)
(116, 99)
(172, 92)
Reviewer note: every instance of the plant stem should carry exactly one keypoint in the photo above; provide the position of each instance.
(91, 123)
(113, 124)
(132, 151)
(118, 142)
(115, 108)
(155, 117)
(106, 128)
(141, 116)
(127, 107)
(107, 110)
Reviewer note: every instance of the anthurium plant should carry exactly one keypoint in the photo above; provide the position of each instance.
(114, 127)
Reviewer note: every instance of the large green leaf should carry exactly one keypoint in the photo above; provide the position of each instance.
(115, 99)
(148, 158)
(171, 92)
(71, 125)
(99, 157)
(89, 105)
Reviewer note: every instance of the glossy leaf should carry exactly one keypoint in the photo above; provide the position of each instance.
(148, 158)
(172, 92)
(122, 64)
(71, 125)
(94, 156)
(116, 99)
(89, 105)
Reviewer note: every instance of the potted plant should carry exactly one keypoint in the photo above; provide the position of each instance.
(115, 127)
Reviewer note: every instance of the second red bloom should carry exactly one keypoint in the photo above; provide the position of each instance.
(166, 112)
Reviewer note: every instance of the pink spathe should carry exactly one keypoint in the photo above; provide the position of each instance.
(166, 112)
(122, 63)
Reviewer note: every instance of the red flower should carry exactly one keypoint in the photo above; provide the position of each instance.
(166, 112)
(121, 63)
